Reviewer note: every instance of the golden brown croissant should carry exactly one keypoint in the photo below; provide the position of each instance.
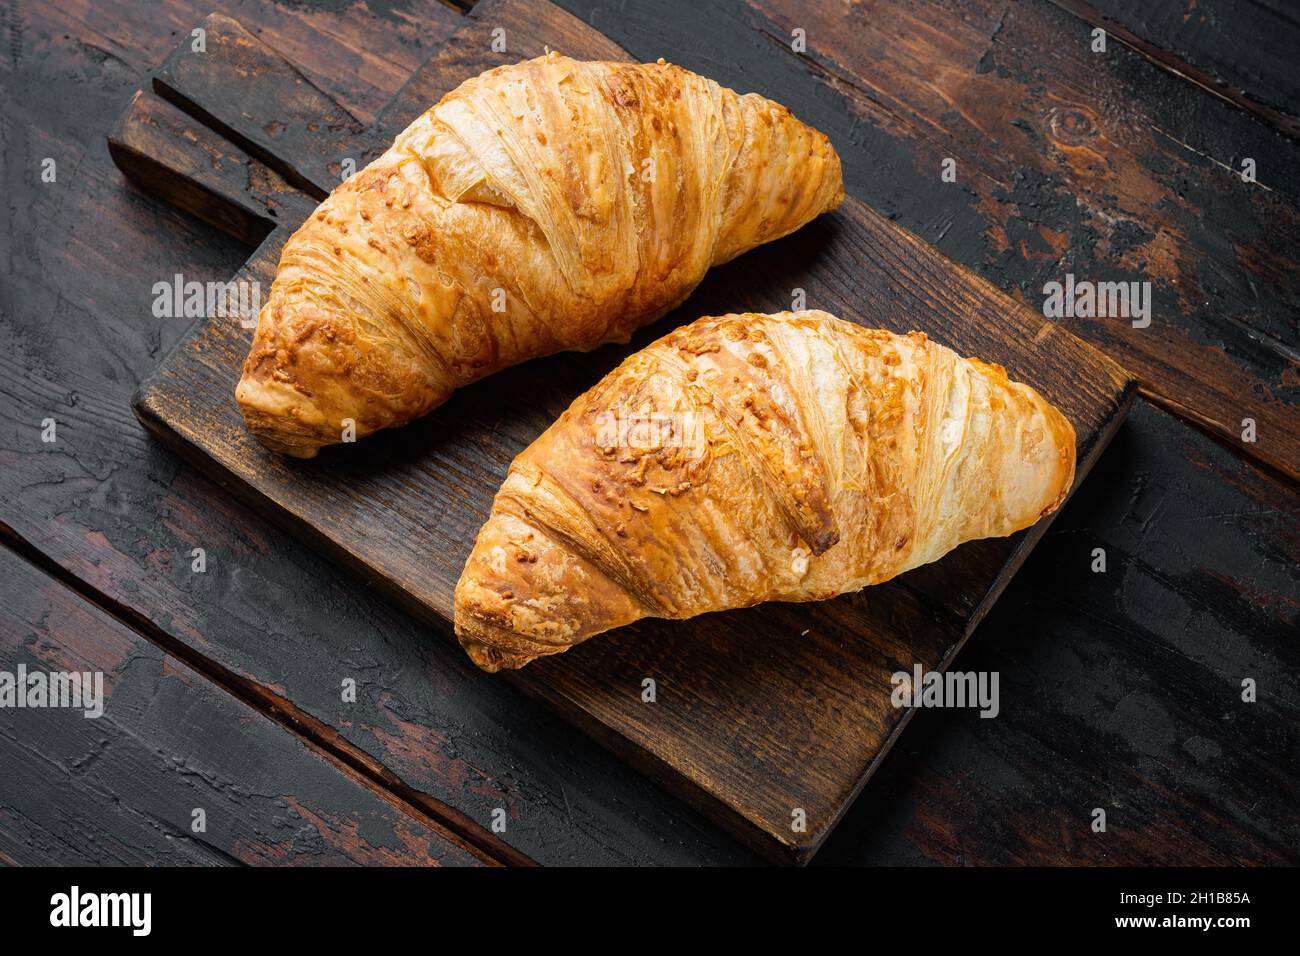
(539, 207)
(749, 458)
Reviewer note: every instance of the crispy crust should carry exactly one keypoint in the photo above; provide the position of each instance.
(540, 207)
(789, 457)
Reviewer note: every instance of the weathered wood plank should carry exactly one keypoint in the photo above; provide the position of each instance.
(125, 787)
(173, 156)
(358, 53)
(261, 102)
(1244, 52)
(749, 747)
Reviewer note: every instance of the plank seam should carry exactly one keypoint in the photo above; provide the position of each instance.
(1220, 434)
(286, 171)
(1172, 63)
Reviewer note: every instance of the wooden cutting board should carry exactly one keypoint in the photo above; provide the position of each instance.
(762, 717)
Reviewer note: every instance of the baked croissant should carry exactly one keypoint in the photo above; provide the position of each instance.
(540, 207)
(749, 458)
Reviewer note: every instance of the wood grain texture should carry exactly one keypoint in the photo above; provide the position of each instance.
(1104, 166)
(359, 53)
(177, 158)
(122, 788)
(290, 117)
(746, 736)
(1241, 50)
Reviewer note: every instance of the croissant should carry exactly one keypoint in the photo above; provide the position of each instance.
(540, 207)
(750, 458)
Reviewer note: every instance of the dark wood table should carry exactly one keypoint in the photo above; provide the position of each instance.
(1120, 689)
